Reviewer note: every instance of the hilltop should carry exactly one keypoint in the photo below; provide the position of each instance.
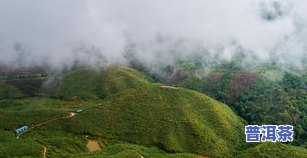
(93, 84)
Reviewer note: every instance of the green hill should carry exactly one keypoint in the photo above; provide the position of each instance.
(8, 92)
(175, 120)
(93, 84)
(128, 116)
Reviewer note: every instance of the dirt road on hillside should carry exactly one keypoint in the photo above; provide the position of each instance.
(71, 114)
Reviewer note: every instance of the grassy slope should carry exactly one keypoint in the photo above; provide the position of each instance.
(92, 84)
(8, 92)
(125, 150)
(12, 147)
(274, 150)
(33, 111)
(175, 120)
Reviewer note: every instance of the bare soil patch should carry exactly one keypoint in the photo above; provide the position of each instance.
(92, 145)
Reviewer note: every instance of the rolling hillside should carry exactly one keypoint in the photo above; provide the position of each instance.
(9, 92)
(128, 116)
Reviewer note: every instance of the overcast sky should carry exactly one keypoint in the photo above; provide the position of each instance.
(59, 32)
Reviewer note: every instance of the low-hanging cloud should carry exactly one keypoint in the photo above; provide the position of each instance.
(60, 33)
